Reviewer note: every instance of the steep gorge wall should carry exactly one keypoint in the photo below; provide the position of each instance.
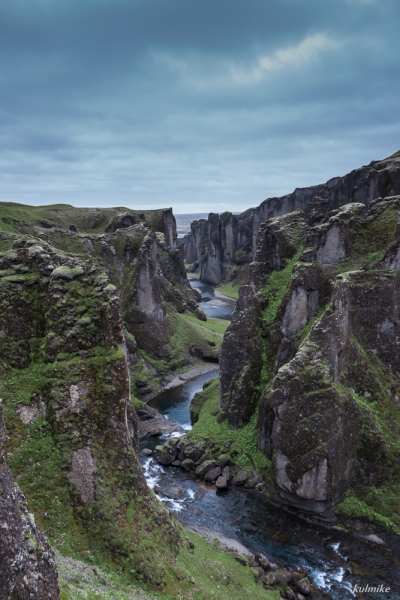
(313, 347)
(89, 302)
(65, 383)
(27, 566)
(147, 270)
(222, 244)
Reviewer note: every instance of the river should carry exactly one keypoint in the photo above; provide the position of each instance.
(212, 303)
(329, 555)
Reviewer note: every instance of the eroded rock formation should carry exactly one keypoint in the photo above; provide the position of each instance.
(77, 311)
(222, 244)
(313, 346)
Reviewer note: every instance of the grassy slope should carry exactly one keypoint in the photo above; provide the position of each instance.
(229, 289)
(214, 324)
(94, 220)
(202, 572)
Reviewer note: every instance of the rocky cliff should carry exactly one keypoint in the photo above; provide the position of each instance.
(139, 255)
(94, 310)
(27, 567)
(221, 245)
(67, 402)
(313, 351)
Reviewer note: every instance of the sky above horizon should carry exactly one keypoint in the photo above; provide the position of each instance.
(202, 106)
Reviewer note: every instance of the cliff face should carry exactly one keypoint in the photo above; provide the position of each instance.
(66, 390)
(222, 244)
(320, 320)
(27, 567)
(139, 255)
(95, 309)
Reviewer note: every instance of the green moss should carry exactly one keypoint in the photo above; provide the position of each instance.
(218, 433)
(276, 288)
(360, 509)
(378, 503)
(137, 403)
(36, 466)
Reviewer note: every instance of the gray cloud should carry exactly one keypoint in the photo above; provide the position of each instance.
(202, 106)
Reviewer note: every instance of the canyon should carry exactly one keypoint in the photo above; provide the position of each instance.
(98, 316)
(222, 245)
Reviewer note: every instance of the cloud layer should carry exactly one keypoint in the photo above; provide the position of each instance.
(200, 106)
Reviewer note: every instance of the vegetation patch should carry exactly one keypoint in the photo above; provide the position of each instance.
(242, 442)
(229, 289)
(212, 323)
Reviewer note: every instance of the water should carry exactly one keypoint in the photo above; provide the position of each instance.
(175, 403)
(249, 518)
(213, 306)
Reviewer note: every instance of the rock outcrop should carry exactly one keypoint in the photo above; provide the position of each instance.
(27, 566)
(140, 258)
(313, 347)
(220, 245)
(65, 359)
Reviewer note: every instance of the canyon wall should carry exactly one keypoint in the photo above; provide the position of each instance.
(91, 308)
(313, 351)
(221, 245)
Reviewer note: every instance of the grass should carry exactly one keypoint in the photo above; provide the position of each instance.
(202, 572)
(229, 289)
(191, 334)
(244, 440)
(64, 215)
(276, 288)
(37, 467)
(213, 324)
(356, 508)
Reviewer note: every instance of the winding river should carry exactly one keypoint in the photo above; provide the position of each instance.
(333, 559)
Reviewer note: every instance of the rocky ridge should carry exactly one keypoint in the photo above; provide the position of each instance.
(92, 305)
(223, 244)
(319, 365)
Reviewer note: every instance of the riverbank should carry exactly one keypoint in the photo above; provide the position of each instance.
(182, 378)
(226, 544)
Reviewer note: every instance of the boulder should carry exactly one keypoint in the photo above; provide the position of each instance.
(304, 586)
(165, 455)
(188, 464)
(146, 452)
(194, 452)
(226, 473)
(213, 474)
(278, 577)
(204, 467)
(263, 561)
(240, 478)
(289, 594)
(221, 482)
(252, 482)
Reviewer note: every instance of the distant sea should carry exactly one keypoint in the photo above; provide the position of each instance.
(183, 222)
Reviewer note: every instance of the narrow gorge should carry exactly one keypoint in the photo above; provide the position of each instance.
(147, 414)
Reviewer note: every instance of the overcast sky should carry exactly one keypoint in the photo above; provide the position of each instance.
(196, 104)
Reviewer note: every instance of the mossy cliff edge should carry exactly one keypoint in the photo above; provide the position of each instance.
(222, 246)
(312, 351)
(88, 320)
